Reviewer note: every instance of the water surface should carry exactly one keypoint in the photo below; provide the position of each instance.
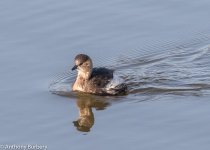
(160, 48)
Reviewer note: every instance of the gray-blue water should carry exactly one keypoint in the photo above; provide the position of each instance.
(160, 48)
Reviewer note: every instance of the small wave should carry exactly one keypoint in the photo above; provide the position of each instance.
(61, 83)
(184, 71)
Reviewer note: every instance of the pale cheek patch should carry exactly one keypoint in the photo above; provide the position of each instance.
(77, 62)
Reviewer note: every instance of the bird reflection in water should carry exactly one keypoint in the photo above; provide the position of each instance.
(85, 104)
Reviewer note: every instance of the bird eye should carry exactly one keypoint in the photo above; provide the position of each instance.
(80, 64)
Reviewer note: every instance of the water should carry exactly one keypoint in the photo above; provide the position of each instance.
(160, 48)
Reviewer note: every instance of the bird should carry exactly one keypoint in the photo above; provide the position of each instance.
(98, 81)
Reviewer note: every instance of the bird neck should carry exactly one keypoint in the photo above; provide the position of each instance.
(84, 74)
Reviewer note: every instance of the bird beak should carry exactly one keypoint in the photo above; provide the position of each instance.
(75, 67)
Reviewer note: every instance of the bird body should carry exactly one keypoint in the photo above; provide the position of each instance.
(94, 80)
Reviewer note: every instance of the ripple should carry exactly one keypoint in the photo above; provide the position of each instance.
(179, 72)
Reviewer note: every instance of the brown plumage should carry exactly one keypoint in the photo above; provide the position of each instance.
(94, 80)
